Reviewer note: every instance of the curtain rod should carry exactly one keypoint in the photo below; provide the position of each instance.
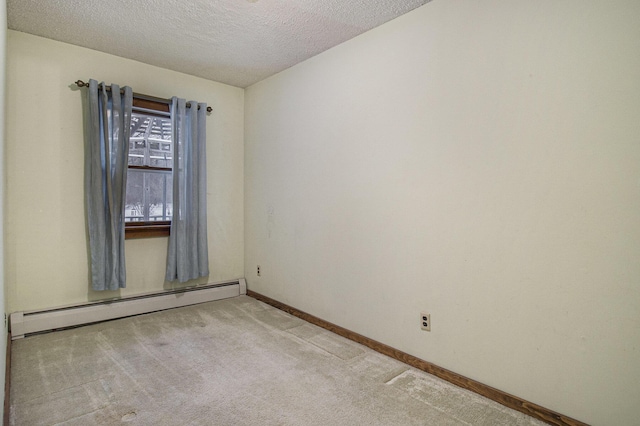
(81, 83)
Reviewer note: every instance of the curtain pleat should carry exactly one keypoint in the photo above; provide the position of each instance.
(106, 158)
(187, 255)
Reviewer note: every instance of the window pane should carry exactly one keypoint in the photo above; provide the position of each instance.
(160, 190)
(150, 143)
(149, 196)
(160, 154)
(136, 152)
(134, 201)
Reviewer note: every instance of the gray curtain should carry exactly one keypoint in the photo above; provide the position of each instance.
(106, 158)
(187, 256)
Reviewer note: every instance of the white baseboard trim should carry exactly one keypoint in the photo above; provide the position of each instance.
(25, 323)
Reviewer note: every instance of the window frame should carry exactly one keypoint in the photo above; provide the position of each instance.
(135, 230)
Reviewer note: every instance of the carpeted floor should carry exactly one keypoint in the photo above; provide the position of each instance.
(231, 362)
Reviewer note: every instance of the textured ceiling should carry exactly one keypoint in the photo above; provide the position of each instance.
(238, 42)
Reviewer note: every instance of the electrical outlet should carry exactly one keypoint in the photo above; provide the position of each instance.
(258, 270)
(425, 321)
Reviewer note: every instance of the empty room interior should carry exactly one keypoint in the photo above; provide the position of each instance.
(369, 166)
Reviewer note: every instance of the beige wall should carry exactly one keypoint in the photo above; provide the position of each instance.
(3, 335)
(46, 242)
(478, 160)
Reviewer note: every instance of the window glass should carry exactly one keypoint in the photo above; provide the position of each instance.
(149, 180)
(149, 196)
(150, 142)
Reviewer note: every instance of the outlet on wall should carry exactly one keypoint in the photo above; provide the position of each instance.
(425, 321)
(258, 270)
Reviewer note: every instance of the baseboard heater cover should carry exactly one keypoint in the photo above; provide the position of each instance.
(25, 323)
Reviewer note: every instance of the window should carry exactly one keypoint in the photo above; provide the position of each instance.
(149, 194)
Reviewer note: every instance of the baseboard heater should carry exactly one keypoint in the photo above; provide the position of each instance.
(25, 323)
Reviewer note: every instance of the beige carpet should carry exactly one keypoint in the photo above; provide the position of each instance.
(231, 362)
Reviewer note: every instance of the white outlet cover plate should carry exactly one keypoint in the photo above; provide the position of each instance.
(428, 321)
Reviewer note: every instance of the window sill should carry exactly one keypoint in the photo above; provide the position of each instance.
(146, 230)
